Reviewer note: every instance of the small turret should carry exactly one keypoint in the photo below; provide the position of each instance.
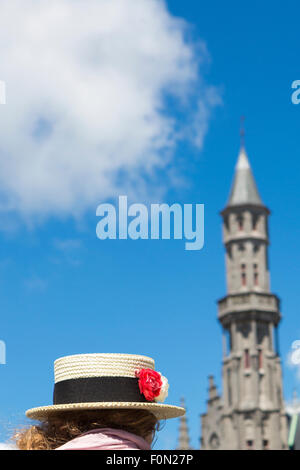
(184, 438)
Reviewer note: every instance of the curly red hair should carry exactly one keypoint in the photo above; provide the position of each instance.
(59, 429)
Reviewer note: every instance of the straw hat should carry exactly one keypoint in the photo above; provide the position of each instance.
(107, 381)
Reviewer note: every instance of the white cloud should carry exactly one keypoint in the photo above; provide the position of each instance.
(70, 250)
(86, 86)
(35, 283)
(68, 245)
(292, 360)
(4, 446)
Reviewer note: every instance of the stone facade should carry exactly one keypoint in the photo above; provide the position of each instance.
(251, 413)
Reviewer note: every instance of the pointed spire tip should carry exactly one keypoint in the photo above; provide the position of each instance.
(244, 189)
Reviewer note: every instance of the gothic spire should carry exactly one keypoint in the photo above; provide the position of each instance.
(184, 438)
(244, 189)
(212, 390)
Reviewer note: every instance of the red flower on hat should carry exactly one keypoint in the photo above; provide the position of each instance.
(150, 383)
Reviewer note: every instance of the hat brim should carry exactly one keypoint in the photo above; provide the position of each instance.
(159, 410)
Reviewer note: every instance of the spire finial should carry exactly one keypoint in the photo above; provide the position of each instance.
(242, 131)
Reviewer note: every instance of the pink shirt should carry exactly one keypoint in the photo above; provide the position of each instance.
(106, 439)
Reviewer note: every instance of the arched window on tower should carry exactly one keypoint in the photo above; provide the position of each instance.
(266, 444)
(260, 359)
(255, 219)
(214, 441)
(256, 248)
(240, 221)
(247, 359)
(228, 346)
(243, 275)
(226, 222)
(255, 275)
(229, 387)
(249, 444)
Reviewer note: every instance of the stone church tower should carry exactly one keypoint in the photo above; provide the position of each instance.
(251, 413)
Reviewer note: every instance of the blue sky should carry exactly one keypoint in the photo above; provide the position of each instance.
(63, 291)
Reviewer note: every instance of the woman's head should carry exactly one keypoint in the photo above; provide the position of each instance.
(120, 391)
(61, 428)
